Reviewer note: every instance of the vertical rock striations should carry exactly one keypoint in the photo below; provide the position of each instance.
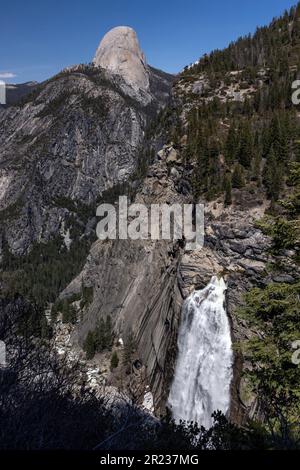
(75, 136)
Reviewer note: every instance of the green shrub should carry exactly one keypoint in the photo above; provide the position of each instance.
(89, 345)
(100, 339)
(274, 313)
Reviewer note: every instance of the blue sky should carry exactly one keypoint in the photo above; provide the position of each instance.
(39, 38)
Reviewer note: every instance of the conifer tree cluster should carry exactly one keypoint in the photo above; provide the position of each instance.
(253, 146)
(254, 138)
(129, 349)
(114, 362)
(100, 339)
(270, 46)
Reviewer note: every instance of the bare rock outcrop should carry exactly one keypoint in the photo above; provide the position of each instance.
(135, 282)
(142, 284)
(75, 136)
(120, 53)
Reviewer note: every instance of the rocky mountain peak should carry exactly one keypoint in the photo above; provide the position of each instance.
(120, 52)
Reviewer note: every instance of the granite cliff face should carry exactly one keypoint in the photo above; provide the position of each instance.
(142, 285)
(136, 284)
(119, 52)
(75, 136)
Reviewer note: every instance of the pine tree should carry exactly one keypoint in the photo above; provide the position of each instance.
(114, 362)
(228, 190)
(256, 164)
(129, 348)
(256, 171)
(108, 333)
(265, 141)
(68, 313)
(231, 145)
(89, 345)
(103, 334)
(238, 179)
(245, 153)
(273, 176)
(45, 330)
(100, 335)
(285, 138)
(279, 137)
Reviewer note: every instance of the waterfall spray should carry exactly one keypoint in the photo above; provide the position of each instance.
(203, 370)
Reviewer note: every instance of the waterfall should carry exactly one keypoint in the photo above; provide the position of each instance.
(203, 369)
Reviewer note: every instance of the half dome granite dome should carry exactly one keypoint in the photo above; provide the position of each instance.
(120, 52)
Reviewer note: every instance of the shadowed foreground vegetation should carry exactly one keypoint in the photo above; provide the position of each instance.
(45, 405)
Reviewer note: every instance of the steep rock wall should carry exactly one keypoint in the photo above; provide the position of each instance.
(77, 135)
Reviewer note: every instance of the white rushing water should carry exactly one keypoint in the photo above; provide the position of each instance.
(203, 370)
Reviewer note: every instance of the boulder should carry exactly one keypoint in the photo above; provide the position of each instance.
(173, 156)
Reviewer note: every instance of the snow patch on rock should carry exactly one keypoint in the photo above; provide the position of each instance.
(148, 402)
